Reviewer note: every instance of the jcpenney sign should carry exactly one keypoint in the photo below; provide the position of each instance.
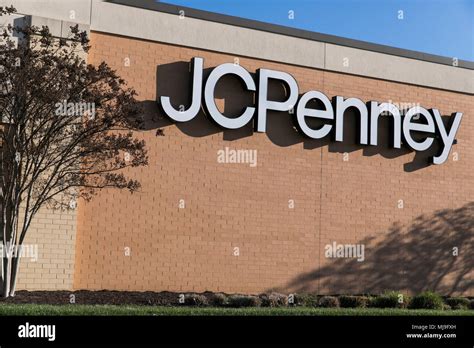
(431, 127)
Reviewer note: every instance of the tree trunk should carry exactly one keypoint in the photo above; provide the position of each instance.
(6, 275)
(14, 271)
(11, 265)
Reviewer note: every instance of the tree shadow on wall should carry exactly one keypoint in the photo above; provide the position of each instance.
(175, 80)
(412, 259)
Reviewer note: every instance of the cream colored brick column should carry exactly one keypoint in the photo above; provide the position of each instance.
(53, 235)
(52, 232)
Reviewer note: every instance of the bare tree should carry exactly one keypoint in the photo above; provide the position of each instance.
(67, 131)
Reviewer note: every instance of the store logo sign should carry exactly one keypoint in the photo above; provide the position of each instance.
(431, 125)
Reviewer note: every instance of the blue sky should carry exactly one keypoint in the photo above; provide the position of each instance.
(442, 27)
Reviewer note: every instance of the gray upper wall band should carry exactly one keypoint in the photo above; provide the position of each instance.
(158, 22)
(288, 31)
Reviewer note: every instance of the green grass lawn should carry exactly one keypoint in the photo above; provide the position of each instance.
(33, 309)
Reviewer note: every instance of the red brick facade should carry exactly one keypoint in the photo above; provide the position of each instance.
(408, 215)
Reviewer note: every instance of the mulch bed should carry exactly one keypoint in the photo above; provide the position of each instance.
(95, 297)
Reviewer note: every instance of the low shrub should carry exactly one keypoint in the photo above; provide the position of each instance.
(274, 300)
(458, 302)
(195, 300)
(218, 300)
(427, 300)
(471, 304)
(328, 302)
(306, 300)
(446, 307)
(243, 301)
(390, 299)
(353, 301)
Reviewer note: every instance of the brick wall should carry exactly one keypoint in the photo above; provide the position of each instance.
(409, 217)
(47, 258)
(53, 234)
